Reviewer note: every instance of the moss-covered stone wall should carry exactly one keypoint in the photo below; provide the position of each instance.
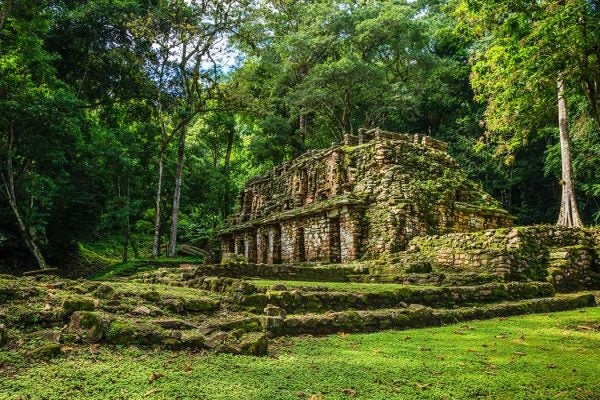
(566, 257)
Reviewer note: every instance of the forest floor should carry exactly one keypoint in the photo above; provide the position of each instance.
(542, 356)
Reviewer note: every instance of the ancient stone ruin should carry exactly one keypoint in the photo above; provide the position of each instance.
(364, 198)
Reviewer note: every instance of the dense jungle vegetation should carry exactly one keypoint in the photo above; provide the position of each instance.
(128, 126)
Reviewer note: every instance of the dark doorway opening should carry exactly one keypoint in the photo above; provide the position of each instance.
(335, 244)
(241, 247)
(300, 251)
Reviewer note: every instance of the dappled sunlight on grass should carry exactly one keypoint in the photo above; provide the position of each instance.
(530, 357)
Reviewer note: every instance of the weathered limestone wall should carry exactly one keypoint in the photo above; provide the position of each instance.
(566, 257)
(416, 190)
(378, 190)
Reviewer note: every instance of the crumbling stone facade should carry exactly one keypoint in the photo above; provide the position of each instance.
(566, 257)
(366, 197)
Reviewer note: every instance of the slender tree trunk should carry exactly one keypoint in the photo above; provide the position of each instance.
(569, 214)
(29, 241)
(227, 202)
(302, 123)
(9, 185)
(127, 227)
(177, 193)
(156, 240)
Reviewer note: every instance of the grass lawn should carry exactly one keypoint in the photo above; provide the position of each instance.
(532, 357)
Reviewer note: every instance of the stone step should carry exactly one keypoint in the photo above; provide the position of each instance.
(366, 298)
(415, 316)
(305, 296)
(433, 278)
(301, 272)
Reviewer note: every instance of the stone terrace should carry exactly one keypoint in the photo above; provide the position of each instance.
(239, 308)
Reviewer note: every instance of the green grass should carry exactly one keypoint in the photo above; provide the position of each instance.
(337, 286)
(531, 357)
(130, 288)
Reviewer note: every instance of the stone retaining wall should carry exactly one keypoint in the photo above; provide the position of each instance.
(567, 257)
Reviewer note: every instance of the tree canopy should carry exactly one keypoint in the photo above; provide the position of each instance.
(137, 122)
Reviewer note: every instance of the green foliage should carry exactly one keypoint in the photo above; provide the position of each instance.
(41, 140)
(94, 91)
(520, 50)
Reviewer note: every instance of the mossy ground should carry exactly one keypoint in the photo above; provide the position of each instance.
(133, 267)
(530, 357)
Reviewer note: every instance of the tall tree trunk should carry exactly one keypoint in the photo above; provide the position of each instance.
(156, 240)
(9, 185)
(177, 193)
(127, 227)
(302, 123)
(29, 241)
(227, 202)
(569, 214)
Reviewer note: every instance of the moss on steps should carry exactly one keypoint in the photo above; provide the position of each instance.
(415, 316)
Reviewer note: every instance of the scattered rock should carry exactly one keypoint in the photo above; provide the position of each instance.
(104, 290)
(89, 326)
(72, 304)
(274, 311)
(216, 339)
(141, 310)
(193, 340)
(56, 285)
(46, 351)
(200, 305)
(243, 287)
(174, 305)
(127, 332)
(254, 344)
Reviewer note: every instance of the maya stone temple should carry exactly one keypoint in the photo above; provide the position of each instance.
(366, 197)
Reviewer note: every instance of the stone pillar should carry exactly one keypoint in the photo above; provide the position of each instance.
(287, 242)
(275, 248)
(263, 245)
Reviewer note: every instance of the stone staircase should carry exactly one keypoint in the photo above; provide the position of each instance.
(238, 307)
(300, 306)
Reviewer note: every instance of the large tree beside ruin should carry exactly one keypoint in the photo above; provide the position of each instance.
(528, 59)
